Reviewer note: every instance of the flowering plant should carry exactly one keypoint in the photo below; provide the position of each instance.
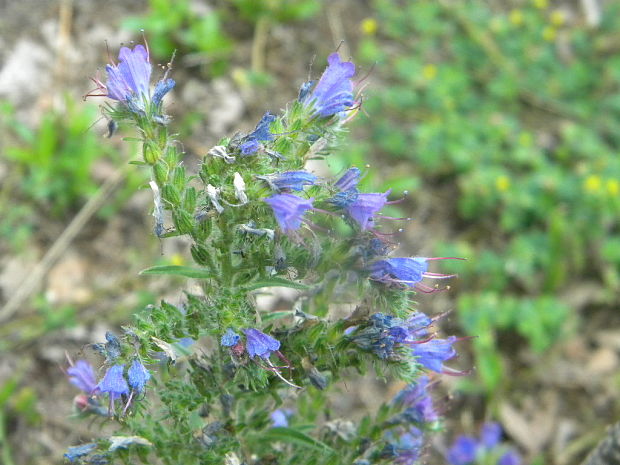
(220, 380)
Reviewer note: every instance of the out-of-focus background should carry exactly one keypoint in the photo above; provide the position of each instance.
(501, 119)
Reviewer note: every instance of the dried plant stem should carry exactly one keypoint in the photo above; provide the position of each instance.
(32, 282)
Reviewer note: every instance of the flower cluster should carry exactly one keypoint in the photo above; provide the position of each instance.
(129, 83)
(406, 438)
(468, 450)
(116, 382)
(255, 217)
(389, 337)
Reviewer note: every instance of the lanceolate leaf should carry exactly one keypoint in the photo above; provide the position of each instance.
(177, 270)
(275, 282)
(296, 437)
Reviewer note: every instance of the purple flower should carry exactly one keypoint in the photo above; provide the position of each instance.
(409, 271)
(409, 447)
(289, 180)
(490, 435)
(161, 89)
(138, 375)
(75, 452)
(365, 206)
(279, 418)
(417, 325)
(334, 91)
(114, 382)
(251, 142)
(381, 335)
(259, 343)
(432, 353)
(510, 458)
(348, 180)
(289, 210)
(418, 402)
(230, 338)
(82, 376)
(463, 451)
(131, 77)
(406, 449)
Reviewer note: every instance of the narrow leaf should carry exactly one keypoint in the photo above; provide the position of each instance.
(177, 270)
(276, 282)
(295, 437)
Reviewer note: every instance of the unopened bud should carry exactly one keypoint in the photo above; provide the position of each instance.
(200, 254)
(183, 221)
(160, 171)
(171, 194)
(150, 154)
(178, 177)
(189, 199)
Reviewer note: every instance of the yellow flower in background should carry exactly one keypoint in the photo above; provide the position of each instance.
(525, 139)
(369, 26)
(177, 259)
(502, 183)
(541, 4)
(549, 33)
(429, 72)
(557, 18)
(613, 186)
(240, 76)
(592, 183)
(516, 17)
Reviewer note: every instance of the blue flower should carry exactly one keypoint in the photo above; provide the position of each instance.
(114, 382)
(344, 199)
(406, 449)
(334, 91)
(259, 343)
(509, 458)
(418, 402)
(409, 271)
(381, 335)
(251, 142)
(374, 247)
(82, 376)
(348, 180)
(417, 325)
(75, 452)
(138, 375)
(130, 79)
(279, 418)
(463, 451)
(230, 338)
(289, 210)
(365, 206)
(432, 353)
(490, 434)
(289, 180)
(161, 89)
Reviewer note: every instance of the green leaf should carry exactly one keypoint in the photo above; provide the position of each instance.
(295, 437)
(275, 315)
(275, 282)
(186, 271)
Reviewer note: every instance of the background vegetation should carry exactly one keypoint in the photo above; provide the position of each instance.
(501, 119)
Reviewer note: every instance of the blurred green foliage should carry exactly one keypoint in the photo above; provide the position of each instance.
(204, 34)
(515, 115)
(52, 168)
(54, 160)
